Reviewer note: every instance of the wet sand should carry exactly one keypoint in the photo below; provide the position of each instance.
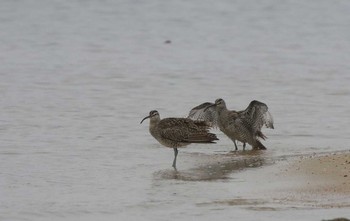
(325, 174)
(290, 182)
(318, 180)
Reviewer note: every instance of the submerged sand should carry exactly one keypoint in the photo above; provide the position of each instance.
(262, 182)
(319, 180)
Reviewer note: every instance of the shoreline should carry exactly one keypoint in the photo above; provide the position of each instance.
(318, 180)
(263, 182)
(329, 173)
(310, 181)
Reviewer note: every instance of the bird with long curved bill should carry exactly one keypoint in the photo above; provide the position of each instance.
(178, 132)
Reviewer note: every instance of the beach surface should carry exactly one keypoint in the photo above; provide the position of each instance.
(319, 180)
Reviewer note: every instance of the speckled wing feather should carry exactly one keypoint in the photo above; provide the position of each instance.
(202, 112)
(258, 115)
(186, 130)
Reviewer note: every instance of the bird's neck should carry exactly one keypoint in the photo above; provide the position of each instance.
(153, 126)
(222, 117)
(222, 111)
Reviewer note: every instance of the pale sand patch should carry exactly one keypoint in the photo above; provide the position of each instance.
(329, 173)
(317, 180)
(263, 182)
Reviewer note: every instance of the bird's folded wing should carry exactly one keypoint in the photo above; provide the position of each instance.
(180, 134)
(177, 134)
(177, 129)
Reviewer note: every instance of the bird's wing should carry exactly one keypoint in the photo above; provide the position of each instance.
(185, 130)
(205, 113)
(258, 115)
(268, 120)
(173, 129)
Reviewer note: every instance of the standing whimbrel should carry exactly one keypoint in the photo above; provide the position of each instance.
(244, 126)
(178, 132)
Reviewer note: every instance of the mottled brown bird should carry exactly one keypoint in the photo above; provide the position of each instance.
(178, 132)
(244, 126)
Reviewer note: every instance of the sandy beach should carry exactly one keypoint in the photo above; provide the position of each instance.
(312, 181)
(317, 180)
(324, 174)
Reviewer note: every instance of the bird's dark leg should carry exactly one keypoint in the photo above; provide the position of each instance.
(175, 153)
(234, 141)
(244, 146)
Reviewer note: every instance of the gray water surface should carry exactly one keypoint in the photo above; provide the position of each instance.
(76, 78)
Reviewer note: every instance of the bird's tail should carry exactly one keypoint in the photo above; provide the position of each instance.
(259, 146)
(202, 138)
(261, 135)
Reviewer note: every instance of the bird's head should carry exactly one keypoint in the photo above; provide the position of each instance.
(220, 102)
(152, 115)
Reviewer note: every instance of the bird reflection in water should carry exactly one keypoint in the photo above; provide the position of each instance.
(218, 166)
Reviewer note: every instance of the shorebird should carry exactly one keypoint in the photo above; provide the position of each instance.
(178, 132)
(244, 126)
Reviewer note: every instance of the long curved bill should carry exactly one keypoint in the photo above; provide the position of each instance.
(144, 119)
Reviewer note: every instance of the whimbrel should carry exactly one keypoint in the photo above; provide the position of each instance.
(178, 132)
(244, 126)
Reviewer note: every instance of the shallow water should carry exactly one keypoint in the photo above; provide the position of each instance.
(78, 76)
